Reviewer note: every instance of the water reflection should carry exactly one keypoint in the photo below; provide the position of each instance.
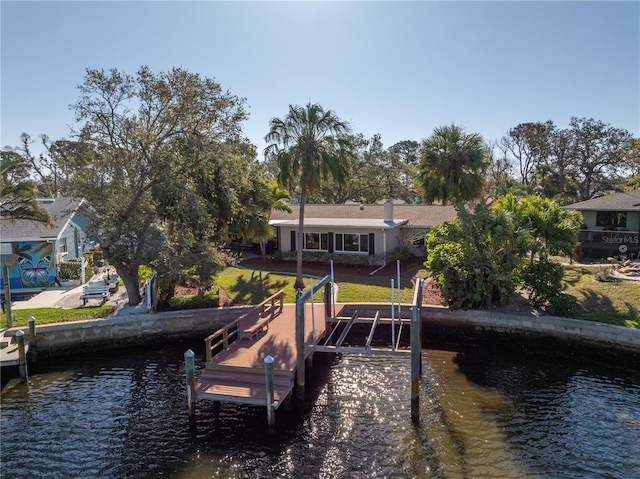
(488, 409)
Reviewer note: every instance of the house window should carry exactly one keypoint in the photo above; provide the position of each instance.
(356, 243)
(62, 247)
(617, 219)
(316, 241)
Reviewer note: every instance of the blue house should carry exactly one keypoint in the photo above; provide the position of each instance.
(32, 251)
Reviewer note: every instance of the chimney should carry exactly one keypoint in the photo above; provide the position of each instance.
(388, 211)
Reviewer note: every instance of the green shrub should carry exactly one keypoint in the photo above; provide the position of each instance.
(344, 259)
(144, 273)
(542, 279)
(401, 253)
(88, 272)
(209, 300)
(565, 305)
(70, 270)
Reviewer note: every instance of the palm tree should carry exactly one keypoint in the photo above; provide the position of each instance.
(253, 221)
(17, 194)
(452, 165)
(309, 145)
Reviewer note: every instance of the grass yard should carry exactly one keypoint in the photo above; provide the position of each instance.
(607, 302)
(251, 286)
(56, 315)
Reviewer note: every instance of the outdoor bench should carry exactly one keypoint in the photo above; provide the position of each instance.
(252, 324)
(99, 290)
(257, 320)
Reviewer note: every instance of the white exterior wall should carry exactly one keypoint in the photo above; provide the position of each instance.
(393, 237)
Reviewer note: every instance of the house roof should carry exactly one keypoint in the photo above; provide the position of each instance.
(627, 201)
(343, 223)
(415, 216)
(61, 211)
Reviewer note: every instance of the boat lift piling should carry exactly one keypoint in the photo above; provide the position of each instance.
(416, 350)
(22, 357)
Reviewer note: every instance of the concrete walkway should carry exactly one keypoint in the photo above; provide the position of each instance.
(50, 297)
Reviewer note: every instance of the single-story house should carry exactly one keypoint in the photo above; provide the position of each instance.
(32, 251)
(374, 230)
(611, 225)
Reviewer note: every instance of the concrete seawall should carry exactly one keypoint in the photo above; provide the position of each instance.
(130, 330)
(137, 329)
(512, 323)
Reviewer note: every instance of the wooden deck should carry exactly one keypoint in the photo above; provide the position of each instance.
(9, 355)
(237, 374)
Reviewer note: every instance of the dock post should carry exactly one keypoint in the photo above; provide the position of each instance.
(268, 375)
(7, 296)
(393, 319)
(300, 373)
(416, 350)
(22, 357)
(33, 349)
(189, 366)
(415, 365)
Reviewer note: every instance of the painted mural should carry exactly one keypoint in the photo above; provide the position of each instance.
(32, 265)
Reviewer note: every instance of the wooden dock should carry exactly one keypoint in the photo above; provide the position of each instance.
(9, 351)
(237, 373)
(258, 358)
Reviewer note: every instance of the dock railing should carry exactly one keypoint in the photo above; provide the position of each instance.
(222, 338)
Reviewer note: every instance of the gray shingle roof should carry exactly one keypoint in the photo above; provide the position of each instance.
(418, 216)
(61, 210)
(627, 201)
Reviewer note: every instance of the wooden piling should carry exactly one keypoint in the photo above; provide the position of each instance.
(415, 366)
(271, 411)
(22, 357)
(416, 353)
(33, 348)
(189, 368)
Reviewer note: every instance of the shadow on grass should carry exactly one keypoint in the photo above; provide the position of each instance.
(598, 307)
(255, 290)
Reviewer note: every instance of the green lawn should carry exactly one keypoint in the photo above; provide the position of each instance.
(354, 284)
(607, 302)
(56, 315)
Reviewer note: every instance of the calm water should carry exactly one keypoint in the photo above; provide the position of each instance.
(489, 409)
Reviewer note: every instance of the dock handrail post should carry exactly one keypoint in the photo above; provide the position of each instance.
(22, 357)
(189, 367)
(7, 296)
(300, 373)
(33, 349)
(268, 375)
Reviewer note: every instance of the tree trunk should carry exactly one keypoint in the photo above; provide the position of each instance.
(299, 284)
(130, 280)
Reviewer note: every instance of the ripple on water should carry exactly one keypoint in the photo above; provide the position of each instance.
(484, 413)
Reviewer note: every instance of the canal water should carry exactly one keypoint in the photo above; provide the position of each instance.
(491, 407)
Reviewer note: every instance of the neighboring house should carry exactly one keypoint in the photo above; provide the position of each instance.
(33, 250)
(611, 225)
(373, 230)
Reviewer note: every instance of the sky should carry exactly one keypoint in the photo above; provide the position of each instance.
(398, 69)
